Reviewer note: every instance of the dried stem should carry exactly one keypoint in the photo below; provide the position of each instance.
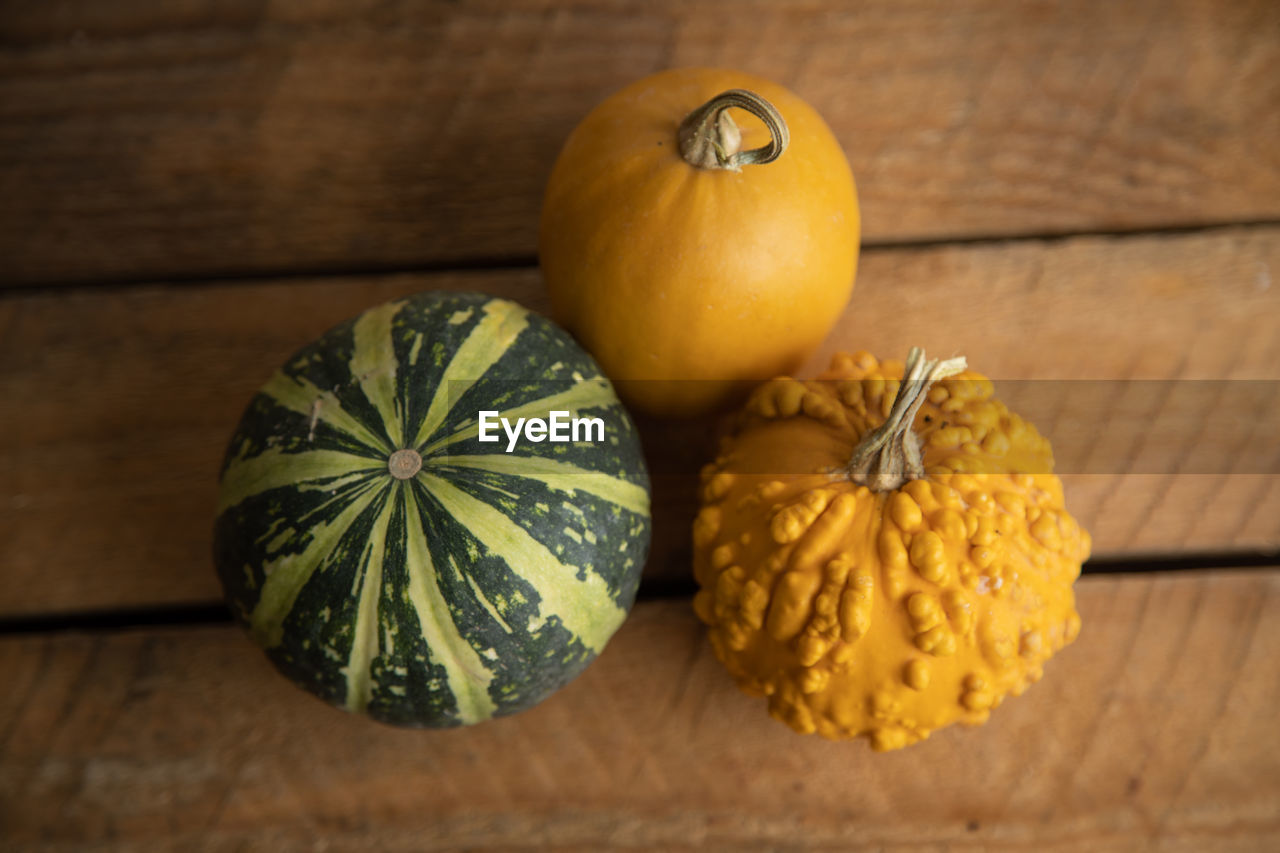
(888, 457)
(709, 138)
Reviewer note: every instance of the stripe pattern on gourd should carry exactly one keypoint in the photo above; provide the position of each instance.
(471, 589)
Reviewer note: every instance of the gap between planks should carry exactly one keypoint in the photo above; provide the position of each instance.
(662, 588)
(496, 264)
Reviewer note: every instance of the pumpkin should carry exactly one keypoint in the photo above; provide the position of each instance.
(882, 557)
(392, 562)
(693, 256)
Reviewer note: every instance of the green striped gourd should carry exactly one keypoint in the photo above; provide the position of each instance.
(392, 563)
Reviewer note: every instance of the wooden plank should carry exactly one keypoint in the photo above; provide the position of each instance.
(1057, 317)
(1154, 731)
(154, 140)
(128, 395)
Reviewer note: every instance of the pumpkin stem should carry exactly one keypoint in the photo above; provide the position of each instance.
(888, 457)
(709, 138)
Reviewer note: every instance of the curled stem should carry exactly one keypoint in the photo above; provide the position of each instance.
(709, 138)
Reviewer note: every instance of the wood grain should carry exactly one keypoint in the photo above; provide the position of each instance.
(124, 397)
(158, 140)
(1094, 338)
(1155, 731)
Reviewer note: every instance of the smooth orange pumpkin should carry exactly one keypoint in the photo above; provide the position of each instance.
(684, 257)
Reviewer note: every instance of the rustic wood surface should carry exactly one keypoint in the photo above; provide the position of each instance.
(1155, 731)
(1081, 197)
(150, 139)
(128, 395)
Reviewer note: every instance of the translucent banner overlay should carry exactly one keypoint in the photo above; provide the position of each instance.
(1211, 427)
(1153, 426)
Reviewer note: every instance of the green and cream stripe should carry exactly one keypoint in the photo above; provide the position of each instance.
(457, 582)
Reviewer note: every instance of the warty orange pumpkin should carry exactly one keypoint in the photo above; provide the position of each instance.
(692, 255)
(882, 557)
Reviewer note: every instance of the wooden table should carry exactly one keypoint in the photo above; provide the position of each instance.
(1058, 190)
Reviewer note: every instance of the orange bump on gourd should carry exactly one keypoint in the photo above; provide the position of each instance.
(699, 233)
(885, 551)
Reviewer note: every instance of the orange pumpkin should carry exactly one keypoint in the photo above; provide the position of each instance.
(883, 557)
(694, 256)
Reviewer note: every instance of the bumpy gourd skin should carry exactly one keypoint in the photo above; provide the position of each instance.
(888, 615)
